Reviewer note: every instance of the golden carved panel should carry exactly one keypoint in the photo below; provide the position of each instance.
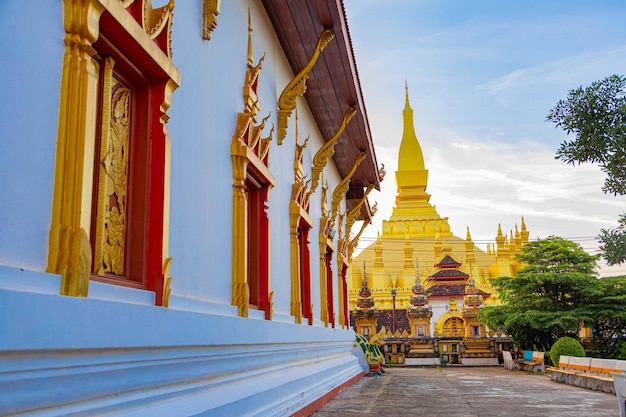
(111, 210)
(453, 327)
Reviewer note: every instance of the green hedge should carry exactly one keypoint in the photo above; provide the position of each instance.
(566, 346)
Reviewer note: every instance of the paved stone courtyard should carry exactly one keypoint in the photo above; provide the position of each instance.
(464, 391)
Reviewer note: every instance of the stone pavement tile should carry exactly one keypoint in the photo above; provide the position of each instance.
(465, 391)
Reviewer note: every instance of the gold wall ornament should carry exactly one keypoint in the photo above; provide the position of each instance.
(324, 242)
(294, 221)
(69, 252)
(239, 153)
(250, 98)
(69, 238)
(298, 213)
(167, 281)
(342, 265)
(247, 149)
(328, 149)
(155, 20)
(297, 86)
(355, 240)
(354, 213)
(111, 207)
(210, 10)
(382, 172)
(342, 188)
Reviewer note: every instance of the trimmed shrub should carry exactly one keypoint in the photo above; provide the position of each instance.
(567, 346)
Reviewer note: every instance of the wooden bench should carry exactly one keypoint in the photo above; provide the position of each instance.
(600, 375)
(533, 362)
(592, 373)
(562, 373)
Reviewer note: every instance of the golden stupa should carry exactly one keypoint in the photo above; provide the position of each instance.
(415, 244)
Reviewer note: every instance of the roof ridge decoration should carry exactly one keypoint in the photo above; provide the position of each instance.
(297, 86)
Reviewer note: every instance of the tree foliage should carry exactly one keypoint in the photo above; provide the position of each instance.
(555, 294)
(607, 316)
(544, 301)
(613, 242)
(596, 115)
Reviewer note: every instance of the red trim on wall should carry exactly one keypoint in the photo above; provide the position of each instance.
(321, 401)
(258, 245)
(155, 193)
(330, 299)
(344, 286)
(305, 271)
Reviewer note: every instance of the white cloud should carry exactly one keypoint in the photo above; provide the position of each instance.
(481, 82)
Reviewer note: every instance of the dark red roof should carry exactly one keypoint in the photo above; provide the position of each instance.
(448, 262)
(450, 290)
(333, 84)
(449, 274)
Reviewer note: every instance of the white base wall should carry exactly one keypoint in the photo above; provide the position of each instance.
(421, 361)
(480, 361)
(70, 356)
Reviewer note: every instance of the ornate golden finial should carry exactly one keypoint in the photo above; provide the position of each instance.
(406, 89)
(328, 149)
(417, 269)
(524, 233)
(250, 55)
(297, 86)
(468, 237)
(250, 97)
(210, 10)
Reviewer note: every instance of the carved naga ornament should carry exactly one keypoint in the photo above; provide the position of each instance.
(342, 187)
(328, 149)
(353, 214)
(297, 86)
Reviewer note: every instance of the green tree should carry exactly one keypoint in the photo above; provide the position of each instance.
(605, 310)
(596, 115)
(546, 300)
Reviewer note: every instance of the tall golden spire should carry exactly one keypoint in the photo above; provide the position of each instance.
(412, 200)
(410, 156)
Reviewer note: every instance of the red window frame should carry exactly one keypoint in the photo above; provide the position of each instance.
(344, 292)
(305, 270)
(330, 301)
(258, 243)
(146, 176)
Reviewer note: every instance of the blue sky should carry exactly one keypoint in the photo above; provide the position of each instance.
(482, 77)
